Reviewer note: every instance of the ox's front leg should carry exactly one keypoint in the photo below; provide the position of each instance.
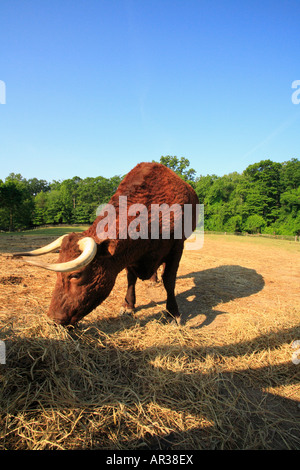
(169, 280)
(129, 302)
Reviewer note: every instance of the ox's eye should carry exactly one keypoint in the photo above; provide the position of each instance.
(75, 276)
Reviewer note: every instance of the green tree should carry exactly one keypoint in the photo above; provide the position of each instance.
(254, 223)
(35, 186)
(290, 201)
(221, 201)
(18, 202)
(91, 193)
(234, 224)
(203, 185)
(11, 203)
(40, 208)
(180, 166)
(290, 174)
(54, 212)
(288, 222)
(264, 183)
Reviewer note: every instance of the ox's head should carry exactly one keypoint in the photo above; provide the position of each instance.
(85, 276)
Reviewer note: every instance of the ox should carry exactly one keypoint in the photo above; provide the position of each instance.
(89, 262)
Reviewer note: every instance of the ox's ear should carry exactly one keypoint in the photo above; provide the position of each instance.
(106, 248)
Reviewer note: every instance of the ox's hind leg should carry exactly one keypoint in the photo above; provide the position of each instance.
(154, 281)
(169, 280)
(129, 302)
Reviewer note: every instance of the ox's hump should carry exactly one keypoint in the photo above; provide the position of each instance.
(140, 176)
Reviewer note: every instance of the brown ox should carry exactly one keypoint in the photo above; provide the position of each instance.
(88, 265)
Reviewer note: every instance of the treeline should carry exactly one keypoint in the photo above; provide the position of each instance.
(31, 203)
(265, 198)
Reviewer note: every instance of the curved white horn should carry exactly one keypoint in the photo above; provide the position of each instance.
(45, 249)
(87, 245)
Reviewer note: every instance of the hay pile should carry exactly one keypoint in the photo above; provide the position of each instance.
(136, 385)
(224, 380)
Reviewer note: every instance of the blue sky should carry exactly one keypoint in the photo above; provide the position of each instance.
(94, 87)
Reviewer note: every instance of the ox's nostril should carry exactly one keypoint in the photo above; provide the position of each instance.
(58, 320)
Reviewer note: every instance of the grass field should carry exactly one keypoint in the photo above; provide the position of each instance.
(224, 380)
(49, 231)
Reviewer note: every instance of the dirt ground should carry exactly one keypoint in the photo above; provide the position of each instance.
(239, 298)
(230, 275)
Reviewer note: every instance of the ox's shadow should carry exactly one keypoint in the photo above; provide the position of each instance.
(91, 376)
(212, 287)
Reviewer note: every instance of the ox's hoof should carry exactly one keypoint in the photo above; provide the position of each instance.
(176, 321)
(126, 311)
(155, 283)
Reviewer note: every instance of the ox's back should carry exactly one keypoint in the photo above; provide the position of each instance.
(153, 184)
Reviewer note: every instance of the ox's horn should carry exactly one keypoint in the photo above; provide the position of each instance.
(87, 245)
(44, 250)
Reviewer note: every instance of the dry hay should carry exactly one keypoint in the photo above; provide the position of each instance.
(224, 380)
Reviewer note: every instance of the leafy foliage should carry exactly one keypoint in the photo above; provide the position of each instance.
(24, 204)
(264, 198)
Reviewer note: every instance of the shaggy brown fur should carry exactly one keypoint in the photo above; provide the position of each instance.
(77, 294)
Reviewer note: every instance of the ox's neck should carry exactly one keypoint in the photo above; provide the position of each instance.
(117, 253)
